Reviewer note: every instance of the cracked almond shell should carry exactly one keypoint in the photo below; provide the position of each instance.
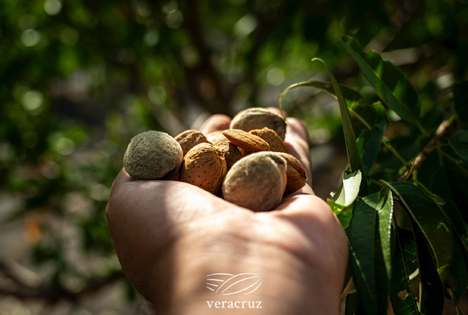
(190, 138)
(230, 151)
(215, 137)
(271, 137)
(204, 166)
(295, 173)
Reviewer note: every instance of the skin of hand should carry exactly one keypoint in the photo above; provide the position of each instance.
(170, 235)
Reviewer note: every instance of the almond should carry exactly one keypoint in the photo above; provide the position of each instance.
(230, 151)
(190, 138)
(271, 137)
(246, 141)
(257, 118)
(153, 155)
(256, 182)
(215, 137)
(295, 172)
(204, 166)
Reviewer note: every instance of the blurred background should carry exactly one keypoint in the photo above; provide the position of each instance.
(80, 78)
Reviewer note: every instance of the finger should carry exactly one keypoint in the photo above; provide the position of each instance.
(216, 122)
(297, 144)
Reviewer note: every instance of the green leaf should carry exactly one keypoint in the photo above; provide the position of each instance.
(404, 254)
(459, 144)
(460, 98)
(385, 214)
(458, 272)
(389, 82)
(348, 190)
(429, 218)
(350, 138)
(369, 241)
(369, 143)
(452, 212)
(368, 114)
(432, 294)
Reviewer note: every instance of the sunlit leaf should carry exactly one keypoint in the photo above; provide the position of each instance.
(388, 81)
(348, 190)
(350, 138)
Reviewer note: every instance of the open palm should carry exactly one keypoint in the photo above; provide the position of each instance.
(170, 235)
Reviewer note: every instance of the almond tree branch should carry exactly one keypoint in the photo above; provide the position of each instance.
(429, 147)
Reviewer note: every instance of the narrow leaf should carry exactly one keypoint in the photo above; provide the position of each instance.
(458, 272)
(432, 294)
(369, 241)
(430, 219)
(389, 82)
(459, 144)
(460, 98)
(401, 295)
(385, 215)
(348, 190)
(369, 143)
(350, 138)
(452, 212)
(368, 114)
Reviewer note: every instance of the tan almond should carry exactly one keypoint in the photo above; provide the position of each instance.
(190, 138)
(204, 166)
(296, 173)
(215, 137)
(257, 118)
(246, 141)
(230, 151)
(257, 182)
(270, 136)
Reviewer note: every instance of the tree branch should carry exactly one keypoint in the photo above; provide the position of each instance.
(429, 147)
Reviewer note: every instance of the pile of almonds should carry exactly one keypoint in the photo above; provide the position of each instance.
(246, 164)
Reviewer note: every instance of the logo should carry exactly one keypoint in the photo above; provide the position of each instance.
(229, 284)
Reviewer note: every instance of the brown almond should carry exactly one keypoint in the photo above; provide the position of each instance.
(230, 151)
(295, 173)
(204, 166)
(190, 138)
(215, 137)
(246, 141)
(257, 118)
(270, 136)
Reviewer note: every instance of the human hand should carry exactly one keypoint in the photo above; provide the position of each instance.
(170, 235)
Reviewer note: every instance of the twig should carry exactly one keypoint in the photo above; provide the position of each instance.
(428, 148)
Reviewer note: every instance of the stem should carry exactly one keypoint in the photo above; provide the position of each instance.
(430, 146)
(395, 153)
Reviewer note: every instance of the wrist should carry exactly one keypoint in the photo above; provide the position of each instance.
(289, 283)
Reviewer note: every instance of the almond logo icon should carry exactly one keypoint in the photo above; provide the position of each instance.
(229, 284)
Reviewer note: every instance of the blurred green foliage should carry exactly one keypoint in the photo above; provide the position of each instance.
(79, 78)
